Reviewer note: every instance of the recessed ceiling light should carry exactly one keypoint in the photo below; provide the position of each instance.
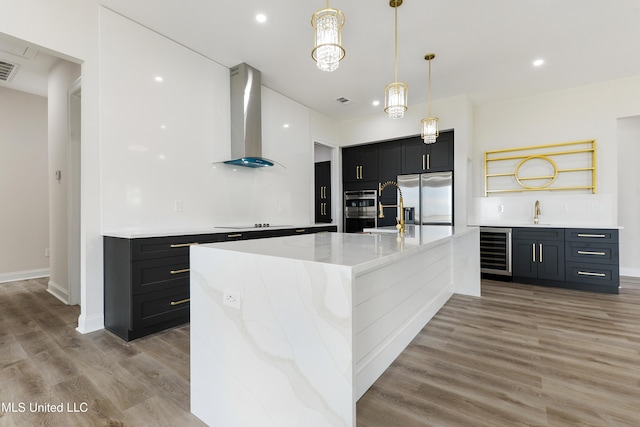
(538, 62)
(286, 125)
(375, 103)
(261, 18)
(159, 78)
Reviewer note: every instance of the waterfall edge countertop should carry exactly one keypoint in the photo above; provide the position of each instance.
(293, 330)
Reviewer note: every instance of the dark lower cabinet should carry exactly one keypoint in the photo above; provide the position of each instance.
(146, 280)
(585, 259)
(538, 259)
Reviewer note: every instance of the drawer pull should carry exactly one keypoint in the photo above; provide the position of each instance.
(591, 253)
(600, 236)
(588, 273)
(301, 230)
(234, 235)
(184, 245)
(184, 270)
(182, 301)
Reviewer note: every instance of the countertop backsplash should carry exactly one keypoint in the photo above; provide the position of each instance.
(575, 209)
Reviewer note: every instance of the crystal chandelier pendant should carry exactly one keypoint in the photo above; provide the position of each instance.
(429, 124)
(328, 51)
(395, 94)
(429, 130)
(395, 99)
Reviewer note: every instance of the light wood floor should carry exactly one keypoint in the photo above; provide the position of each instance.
(519, 356)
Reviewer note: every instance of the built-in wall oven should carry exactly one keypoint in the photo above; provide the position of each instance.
(359, 210)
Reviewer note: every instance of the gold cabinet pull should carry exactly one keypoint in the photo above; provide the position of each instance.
(533, 251)
(428, 161)
(424, 162)
(540, 252)
(234, 235)
(182, 301)
(184, 270)
(588, 273)
(600, 236)
(300, 230)
(591, 253)
(184, 245)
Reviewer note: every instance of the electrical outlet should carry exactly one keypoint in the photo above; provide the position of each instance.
(177, 205)
(500, 208)
(231, 298)
(47, 253)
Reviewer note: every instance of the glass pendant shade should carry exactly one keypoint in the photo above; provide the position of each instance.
(395, 99)
(429, 130)
(327, 50)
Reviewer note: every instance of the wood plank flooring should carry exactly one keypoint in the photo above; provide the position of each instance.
(43, 359)
(519, 356)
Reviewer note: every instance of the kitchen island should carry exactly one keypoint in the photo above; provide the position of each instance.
(292, 331)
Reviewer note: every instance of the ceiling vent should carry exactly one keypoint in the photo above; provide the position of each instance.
(343, 100)
(7, 71)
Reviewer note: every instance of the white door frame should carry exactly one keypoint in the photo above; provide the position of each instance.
(73, 190)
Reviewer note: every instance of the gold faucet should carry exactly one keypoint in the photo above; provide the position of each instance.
(400, 205)
(536, 212)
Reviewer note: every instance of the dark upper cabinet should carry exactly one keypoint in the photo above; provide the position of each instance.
(389, 161)
(418, 157)
(322, 192)
(539, 253)
(360, 163)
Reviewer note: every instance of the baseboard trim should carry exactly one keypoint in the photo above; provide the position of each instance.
(58, 291)
(90, 324)
(24, 275)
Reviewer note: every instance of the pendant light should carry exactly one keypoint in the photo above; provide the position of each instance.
(429, 124)
(395, 94)
(327, 49)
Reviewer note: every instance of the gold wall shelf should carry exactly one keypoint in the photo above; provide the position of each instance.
(505, 170)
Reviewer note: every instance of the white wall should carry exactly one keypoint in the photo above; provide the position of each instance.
(61, 76)
(24, 227)
(629, 195)
(587, 112)
(160, 140)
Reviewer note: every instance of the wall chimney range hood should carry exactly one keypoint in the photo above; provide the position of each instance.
(246, 118)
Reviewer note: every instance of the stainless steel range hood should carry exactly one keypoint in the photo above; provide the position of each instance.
(246, 118)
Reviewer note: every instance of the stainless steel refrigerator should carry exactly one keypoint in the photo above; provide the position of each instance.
(428, 198)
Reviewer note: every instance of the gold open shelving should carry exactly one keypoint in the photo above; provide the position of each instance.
(553, 154)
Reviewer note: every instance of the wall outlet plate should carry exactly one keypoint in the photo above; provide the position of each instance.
(231, 298)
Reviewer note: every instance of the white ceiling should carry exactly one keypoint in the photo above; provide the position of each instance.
(484, 48)
(33, 67)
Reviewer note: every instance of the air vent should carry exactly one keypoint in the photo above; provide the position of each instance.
(343, 100)
(7, 71)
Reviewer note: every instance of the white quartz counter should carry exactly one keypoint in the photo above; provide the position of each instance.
(361, 252)
(139, 232)
(515, 225)
(292, 331)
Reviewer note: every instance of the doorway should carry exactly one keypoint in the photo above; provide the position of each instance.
(325, 182)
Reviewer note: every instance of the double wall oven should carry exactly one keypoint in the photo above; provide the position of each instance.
(360, 209)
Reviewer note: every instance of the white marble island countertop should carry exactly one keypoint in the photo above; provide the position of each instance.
(362, 252)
